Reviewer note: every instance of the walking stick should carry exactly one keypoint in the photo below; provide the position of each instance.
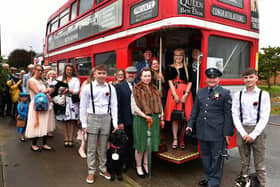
(149, 149)
(160, 61)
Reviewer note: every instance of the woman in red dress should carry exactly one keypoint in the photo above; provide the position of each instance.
(179, 95)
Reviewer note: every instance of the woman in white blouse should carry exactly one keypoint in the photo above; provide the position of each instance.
(69, 119)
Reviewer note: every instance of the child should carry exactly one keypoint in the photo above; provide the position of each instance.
(22, 108)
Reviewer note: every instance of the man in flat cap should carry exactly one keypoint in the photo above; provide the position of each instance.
(125, 117)
(211, 113)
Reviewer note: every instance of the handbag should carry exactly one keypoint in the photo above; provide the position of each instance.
(20, 122)
(75, 98)
(178, 114)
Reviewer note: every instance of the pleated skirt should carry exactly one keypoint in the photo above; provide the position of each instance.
(140, 137)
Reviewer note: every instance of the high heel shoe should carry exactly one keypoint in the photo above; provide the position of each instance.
(70, 143)
(146, 172)
(140, 175)
(174, 146)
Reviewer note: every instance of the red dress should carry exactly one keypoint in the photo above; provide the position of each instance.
(180, 82)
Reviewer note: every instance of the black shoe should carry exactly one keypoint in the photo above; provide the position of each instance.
(112, 177)
(141, 176)
(35, 150)
(203, 182)
(120, 178)
(124, 169)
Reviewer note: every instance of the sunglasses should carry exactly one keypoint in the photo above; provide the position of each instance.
(39, 70)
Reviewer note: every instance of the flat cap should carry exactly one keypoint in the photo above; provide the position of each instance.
(131, 69)
(23, 94)
(213, 72)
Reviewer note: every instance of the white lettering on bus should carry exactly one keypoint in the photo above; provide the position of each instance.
(191, 3)
(144, 7)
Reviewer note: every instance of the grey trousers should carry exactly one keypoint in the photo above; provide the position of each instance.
(258, 148)
(99, 127)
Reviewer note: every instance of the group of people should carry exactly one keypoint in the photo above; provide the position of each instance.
(133, 103)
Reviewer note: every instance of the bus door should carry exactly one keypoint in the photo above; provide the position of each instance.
(184, 38)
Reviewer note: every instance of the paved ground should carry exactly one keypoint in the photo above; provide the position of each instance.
(64, 168)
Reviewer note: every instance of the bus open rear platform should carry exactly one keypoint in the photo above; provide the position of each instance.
(179, 155)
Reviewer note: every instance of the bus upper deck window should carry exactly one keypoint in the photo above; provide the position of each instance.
(64, 17)
(99, 1)
(85, 5)
(74, 10)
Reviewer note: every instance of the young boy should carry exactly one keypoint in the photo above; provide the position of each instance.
(22, 109)
(97, 106)
(250, 112)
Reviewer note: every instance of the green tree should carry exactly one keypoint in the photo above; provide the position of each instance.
(3, 77)
(21, 58)
(269, 64)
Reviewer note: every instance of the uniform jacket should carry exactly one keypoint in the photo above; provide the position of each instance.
(124, 104)
(211, 113)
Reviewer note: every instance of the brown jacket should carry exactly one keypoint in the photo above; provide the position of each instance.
(147, 98)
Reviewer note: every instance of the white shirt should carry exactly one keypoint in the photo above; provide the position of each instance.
(129, 85)
(101, 101)
(249, 111)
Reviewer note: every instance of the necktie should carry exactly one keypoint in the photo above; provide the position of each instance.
(147, 64)
(194, 66)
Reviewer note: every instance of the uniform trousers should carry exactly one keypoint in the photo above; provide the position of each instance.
(211, 155)
(98, 129)
(258, 149)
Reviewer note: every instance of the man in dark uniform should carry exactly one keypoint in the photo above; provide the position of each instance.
(211, 113)
(125, 117)
(148, 54)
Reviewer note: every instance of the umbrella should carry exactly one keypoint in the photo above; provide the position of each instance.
(149, 148)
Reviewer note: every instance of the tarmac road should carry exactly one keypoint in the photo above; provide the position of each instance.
(64, 168)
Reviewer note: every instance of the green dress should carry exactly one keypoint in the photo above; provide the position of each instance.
(140, 127)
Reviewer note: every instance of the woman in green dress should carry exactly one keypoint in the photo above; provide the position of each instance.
(147, 108)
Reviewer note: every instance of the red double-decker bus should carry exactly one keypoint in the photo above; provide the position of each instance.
(114, 32)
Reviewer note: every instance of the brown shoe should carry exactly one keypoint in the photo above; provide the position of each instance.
(90, 178)
(105, 174)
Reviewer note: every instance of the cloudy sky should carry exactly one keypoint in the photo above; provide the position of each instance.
(23, 23)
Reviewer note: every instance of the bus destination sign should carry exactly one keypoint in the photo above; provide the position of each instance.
(102, 20)
(191, 7)
(254, 15)
(143, 11)
(236, 3)
(228, 14)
